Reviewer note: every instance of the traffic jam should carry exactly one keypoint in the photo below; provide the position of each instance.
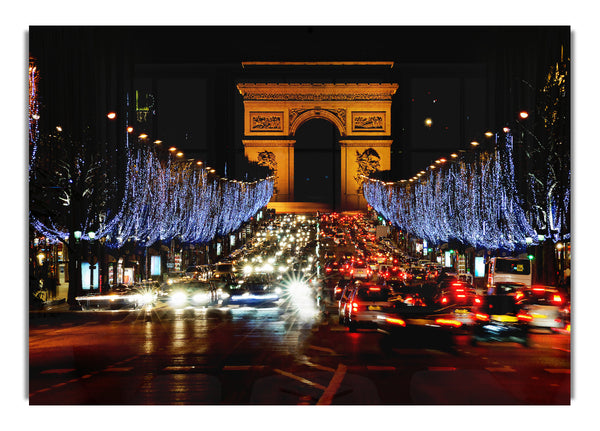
(338, 266)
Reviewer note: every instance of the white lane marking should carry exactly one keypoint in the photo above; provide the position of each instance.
(179, 368)
(322, 349)
(118, 369)
(333, 386)
(319, 367)
(558, 370)
(300, 379)
(504, 369)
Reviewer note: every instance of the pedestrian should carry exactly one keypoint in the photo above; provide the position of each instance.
(50, 284)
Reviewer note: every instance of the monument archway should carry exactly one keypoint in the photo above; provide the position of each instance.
(273, 112)
(317, 163)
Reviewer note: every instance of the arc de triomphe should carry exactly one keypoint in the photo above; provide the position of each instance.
(273, 112)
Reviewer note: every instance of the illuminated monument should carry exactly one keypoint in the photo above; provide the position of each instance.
(361, 112)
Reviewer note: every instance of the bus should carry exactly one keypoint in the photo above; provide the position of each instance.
(510, 270)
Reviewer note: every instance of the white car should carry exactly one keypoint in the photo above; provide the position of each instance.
(543, 304)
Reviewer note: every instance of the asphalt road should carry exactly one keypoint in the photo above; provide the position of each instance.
(277, 357)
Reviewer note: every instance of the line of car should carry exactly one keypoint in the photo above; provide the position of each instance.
(402, 294)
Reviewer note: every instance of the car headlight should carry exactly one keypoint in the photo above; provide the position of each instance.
(147, 298)
(201, 298)
(178, 298)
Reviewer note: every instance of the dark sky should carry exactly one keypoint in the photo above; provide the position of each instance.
(466, 79)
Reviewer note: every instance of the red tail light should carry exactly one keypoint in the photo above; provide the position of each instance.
(395, 321)
(482, 317)
(375, 289)
(461, 296)
(477, 300)
(337, 290)
(519, 295)
(327, 269)
(444, 300)
(449, 322)
(557, 299)
(354, 306)
(539, 289)
(525, 317)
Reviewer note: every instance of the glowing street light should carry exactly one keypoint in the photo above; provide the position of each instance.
(130, 129)
(111, 115)
(143, 136)
(474, 143)
(523, 114)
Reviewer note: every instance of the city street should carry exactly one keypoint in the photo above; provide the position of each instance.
(271, 356)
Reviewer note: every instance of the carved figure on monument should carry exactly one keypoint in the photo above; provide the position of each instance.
(368, 162)
(267, 158)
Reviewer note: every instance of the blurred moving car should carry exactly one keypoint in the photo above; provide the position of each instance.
(193, 293)
(507, 288)
(500, 318)
(458, 293)
(343, 311)
(256, 289)
(545, 304)
(121, 297)
(339, 288)
(366, 303)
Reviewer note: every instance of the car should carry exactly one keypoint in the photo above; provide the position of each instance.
(193, 293)
(339, 288)
(417, 275)
(199, 272)
(120, 297)
(257, 290)
(507, 288)
(500, 318)
(360, 270)
(457, 293)
(544, 304)
(366, 303)
(343, 301)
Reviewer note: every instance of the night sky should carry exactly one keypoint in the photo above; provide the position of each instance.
(466, 80)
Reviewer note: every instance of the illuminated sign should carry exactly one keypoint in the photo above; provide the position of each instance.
(154, 265)
(479, 266)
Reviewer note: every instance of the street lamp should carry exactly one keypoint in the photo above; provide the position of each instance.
(77, 235)
(111, 115)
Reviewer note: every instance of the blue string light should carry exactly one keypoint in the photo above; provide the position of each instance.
(164, 200)
(472, 201)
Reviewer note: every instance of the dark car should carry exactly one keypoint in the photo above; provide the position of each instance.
(338, 288)
(253, 290)
(193, 293)
(500, 318)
